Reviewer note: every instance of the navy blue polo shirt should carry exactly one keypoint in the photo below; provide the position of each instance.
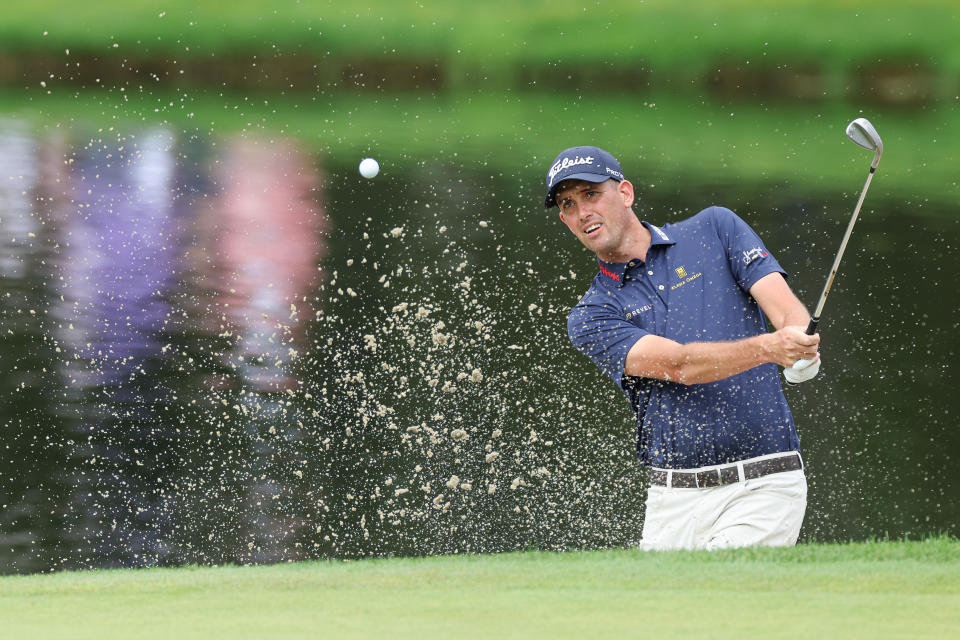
(692, 288)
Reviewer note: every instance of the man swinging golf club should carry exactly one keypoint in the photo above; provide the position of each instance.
(675, 318)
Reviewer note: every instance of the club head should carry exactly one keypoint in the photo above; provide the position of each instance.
(863, 133)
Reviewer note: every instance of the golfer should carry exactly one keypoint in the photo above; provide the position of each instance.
(674, 319)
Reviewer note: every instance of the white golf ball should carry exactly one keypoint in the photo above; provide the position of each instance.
(369, 167)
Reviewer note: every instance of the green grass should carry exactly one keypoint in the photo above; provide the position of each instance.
(863, 590)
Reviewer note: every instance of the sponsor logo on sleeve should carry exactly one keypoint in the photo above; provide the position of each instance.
(753, 254)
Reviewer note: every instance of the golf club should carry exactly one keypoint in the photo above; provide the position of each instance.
(862, 133)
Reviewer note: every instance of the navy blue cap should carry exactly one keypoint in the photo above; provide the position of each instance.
(592, 164)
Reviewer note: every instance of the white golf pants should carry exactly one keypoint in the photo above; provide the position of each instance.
(765, 511)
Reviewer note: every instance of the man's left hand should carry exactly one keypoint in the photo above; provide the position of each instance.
(802, 370)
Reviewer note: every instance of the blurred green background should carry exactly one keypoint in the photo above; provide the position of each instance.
(725, 87)
(222, 345)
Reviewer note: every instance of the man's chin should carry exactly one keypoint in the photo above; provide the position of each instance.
(595, 245)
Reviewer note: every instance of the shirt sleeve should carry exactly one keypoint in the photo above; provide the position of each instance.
(601, 333)
(748, 257)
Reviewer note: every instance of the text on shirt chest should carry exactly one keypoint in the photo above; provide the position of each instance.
(684, 277)
(633, 313)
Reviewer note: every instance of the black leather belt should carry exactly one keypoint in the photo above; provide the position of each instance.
(726, 474)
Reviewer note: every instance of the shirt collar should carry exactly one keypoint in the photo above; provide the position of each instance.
(613, 271)
(657, 235)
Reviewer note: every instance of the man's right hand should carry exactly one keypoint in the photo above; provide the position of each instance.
(790, 344)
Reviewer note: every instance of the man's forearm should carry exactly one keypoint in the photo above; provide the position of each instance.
(699, 362)
(796, 316)
(779, 303)
(710, 361)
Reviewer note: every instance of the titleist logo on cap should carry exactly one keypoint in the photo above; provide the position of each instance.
(568, 162)
(591, 164)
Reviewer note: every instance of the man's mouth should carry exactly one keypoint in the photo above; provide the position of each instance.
(591, 229)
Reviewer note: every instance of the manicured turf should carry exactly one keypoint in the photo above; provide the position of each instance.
(864, 590)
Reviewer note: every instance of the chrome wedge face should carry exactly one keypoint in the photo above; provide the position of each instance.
(864, 134)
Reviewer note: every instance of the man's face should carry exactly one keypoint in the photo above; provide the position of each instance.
(596, 212)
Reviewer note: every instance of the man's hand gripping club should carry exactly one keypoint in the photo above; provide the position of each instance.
(797, 353)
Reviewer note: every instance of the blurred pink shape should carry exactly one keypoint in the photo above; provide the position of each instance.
(265, 237)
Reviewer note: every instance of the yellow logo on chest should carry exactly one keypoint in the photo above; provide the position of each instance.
(684, 277)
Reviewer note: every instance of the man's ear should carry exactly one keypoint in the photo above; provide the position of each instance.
(561, 215)
(625, 189)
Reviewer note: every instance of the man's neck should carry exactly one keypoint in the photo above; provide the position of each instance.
(635, 245)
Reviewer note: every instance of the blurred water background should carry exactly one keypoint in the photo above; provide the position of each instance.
(221, 344)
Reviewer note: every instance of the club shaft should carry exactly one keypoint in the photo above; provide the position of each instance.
(811, 329)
